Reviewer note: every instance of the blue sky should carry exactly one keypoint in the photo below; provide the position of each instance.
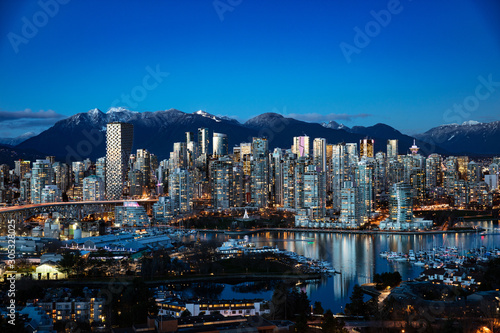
(241, 58)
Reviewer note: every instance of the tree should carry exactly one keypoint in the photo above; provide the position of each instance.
(330, 324)
(318, 308)
(301, 324)
(68, 263)
(357, 306)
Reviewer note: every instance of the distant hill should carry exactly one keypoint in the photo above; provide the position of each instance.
(83, 135)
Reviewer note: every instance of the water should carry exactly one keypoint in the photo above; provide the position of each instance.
(356, 256)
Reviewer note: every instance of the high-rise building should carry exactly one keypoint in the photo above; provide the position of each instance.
(462, 162)
(366, 148)
(289, 180)
(21, 168)
(301, 146)
(78, 169)
(51, 193)
(100, 169)
(474, 173)
(245, 156)
(392, 149)
(259, 180)
(222, 182)
(61, 175)
(349, 207)
(178, 157)
(352, 153)
(315, 191)
(93, 188)
(180, 191)
(401, 204)
(136, 185)
(119, 139)
(143, 164)
(203, 140)
(40, 177)
(340, 172)
(364, 182)
(220, 145)
(260, 146)
(433, 177)
(319, 153)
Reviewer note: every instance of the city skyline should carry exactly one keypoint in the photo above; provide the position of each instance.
(246, 59)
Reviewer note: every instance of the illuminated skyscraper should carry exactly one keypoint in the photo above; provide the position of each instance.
(259, 177)
(319, 153)
(203, 140)
(301, 146)
(119, 139)
(366, 148)
(340, 172)
(40, 176)
(222, 182)
(93, 188)
(392, 149)
(401, 203)
(180, 191)
(220, 145)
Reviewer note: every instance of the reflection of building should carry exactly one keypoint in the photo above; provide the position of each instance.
(131, 214)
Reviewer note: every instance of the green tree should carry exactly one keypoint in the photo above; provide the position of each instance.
(330, 324)
(68, 263)
(318, 308)
(357, 307)
(301, 324)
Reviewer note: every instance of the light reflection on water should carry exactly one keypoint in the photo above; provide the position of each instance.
(356, 256)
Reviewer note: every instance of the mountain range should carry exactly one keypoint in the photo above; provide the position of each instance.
(83, 135)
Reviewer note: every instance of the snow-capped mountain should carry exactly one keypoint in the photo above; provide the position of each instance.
(17, 140)
(84, 134)
(469, 137)
(334, 125)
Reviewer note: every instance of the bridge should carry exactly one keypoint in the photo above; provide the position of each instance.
(72, 209)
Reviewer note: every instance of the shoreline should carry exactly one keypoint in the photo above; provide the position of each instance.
(337, 231)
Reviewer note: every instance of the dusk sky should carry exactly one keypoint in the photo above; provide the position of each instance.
(304, 59)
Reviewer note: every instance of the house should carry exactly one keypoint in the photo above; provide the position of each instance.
(48, 271)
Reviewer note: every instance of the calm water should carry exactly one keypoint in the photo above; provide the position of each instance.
(356, 257)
